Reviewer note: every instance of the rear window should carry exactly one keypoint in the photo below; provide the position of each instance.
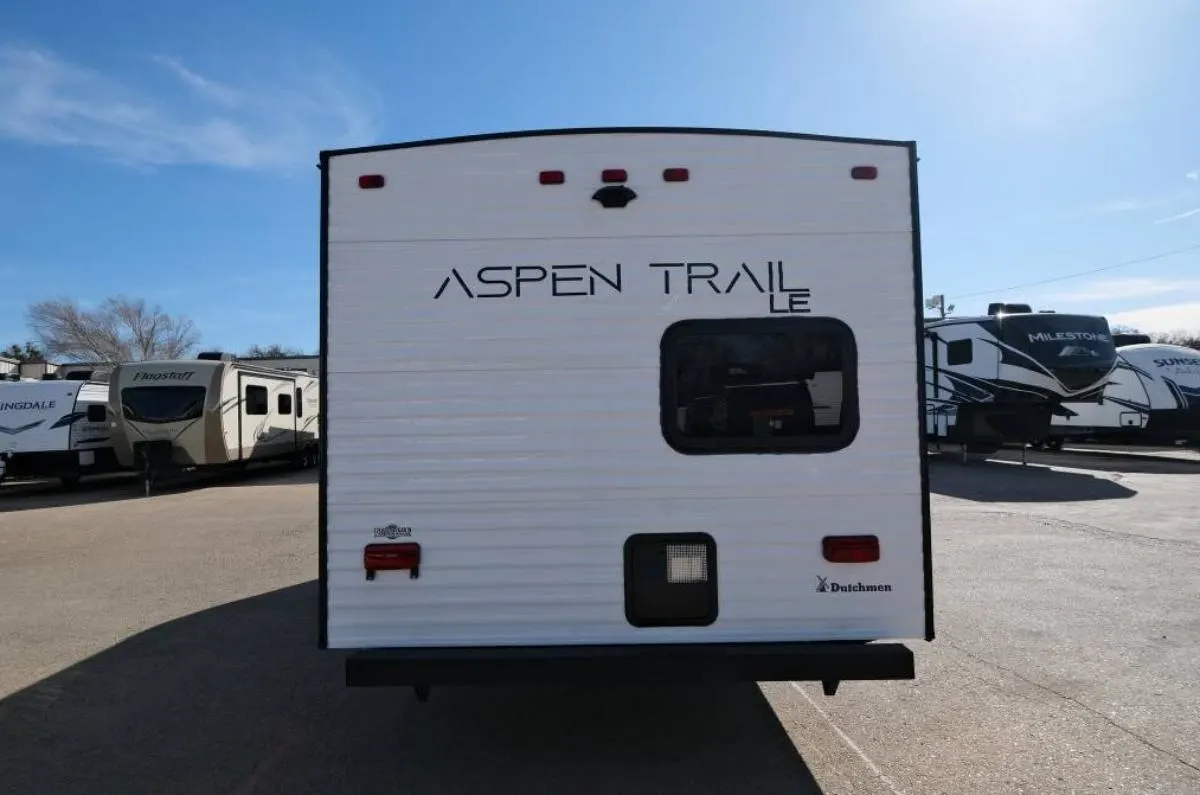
(759, 385)
(161, 404)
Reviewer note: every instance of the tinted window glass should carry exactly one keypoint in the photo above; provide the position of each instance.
(160, 404)
(256, 400)
(759, 385)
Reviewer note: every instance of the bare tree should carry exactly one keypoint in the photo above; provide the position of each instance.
(1187, 339)
(271, 352)
(121, 329)
(29, 352)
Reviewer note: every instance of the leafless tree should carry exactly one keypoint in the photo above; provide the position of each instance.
(28, 352)
(271, 352)
(121, 329)
(1187, 339)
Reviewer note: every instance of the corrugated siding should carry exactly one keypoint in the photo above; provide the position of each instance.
(520, 438)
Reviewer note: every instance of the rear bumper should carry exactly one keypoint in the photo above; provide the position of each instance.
(630, 664)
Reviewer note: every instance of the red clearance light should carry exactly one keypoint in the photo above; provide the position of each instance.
(675, 175)
(850, 549)
(368, 181)
(392, 557)
(552, 178)
(614, 175)
(864, 172)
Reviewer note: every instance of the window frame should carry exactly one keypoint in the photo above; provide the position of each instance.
(266, 401)
(790, 325)
(299, 402)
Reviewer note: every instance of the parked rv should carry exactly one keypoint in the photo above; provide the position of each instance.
(1001, 378)
(1152, 398)
(56, 429)
(213, 412)
(623, 404)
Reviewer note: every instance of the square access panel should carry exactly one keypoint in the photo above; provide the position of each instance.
(670, 579)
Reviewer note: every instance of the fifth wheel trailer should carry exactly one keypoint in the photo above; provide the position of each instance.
(578, 422)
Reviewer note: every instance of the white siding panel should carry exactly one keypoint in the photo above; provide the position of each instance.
(519, 438)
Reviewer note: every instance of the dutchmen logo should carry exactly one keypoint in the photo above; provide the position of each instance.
(825, 586)
(392, 532)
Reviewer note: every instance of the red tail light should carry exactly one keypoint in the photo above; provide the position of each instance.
(864, 172)
(552, 178)
(614, 175)
(675, 175)
(368, 181)
(850, 549)
(392, 557)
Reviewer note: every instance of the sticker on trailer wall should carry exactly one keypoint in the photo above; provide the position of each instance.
(772, 280)
(392, 531)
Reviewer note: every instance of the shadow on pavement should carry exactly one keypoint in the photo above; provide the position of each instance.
(237, 699)
(995, 481)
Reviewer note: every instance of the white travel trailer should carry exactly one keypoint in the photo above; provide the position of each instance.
(1001, 378)
(1152, 398)
(56, 429)
(213, 412)
(578, 417)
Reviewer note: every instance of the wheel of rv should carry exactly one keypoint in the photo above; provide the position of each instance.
(1054, 444)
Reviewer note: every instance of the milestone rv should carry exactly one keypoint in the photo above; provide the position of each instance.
(56, 429)
(623, 404)
(213, 412)
(1002, 378)
(1152, 398)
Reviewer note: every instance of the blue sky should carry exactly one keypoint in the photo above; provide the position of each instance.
(167, 149)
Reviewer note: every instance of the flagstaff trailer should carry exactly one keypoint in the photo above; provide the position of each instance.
(1002, 378)
(213, 412)
(629, 404)
(56, 429)
(1152, 399)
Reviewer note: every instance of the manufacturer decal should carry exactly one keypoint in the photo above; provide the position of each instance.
(28, 405)
(1182, 361)
(1068, 336)
(163, 375)
(825, 586)
(392, 532)
(771, 280)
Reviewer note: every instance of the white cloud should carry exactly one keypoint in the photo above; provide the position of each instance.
(51, 102)
(1167, 318)
(1194, 176)
(1108, 290)
(1179, 217)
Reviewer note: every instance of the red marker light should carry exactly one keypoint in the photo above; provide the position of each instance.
(369, 181)
(675, 175)
(392, 557)
(850, 549)
(864, 172)
(614, 175)
(552, 177)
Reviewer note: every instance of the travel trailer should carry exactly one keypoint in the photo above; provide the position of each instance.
(56, 429)
(1001, 378)
(213, 412)
(1152, 398)
(622, 404)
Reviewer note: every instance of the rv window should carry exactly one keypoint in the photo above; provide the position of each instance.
(759, 385)
(285, 403)
(256, 400)
(97, 413)
(959, 352)
(162, 404)
(299, 402)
